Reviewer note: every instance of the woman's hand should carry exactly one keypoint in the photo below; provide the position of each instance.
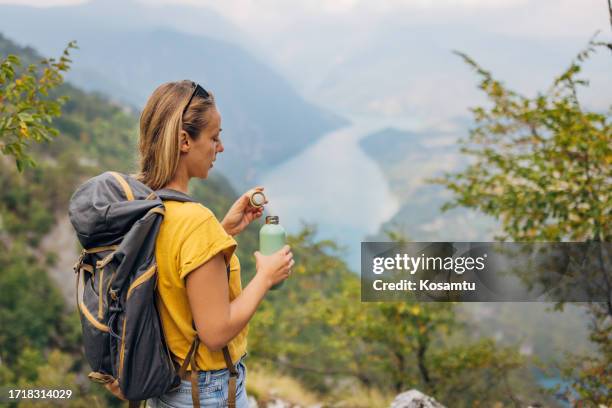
(274, 268)
(241, 213)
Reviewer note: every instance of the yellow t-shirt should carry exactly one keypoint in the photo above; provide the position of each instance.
(189, 236)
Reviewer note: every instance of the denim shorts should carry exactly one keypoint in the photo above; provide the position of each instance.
(213, 391)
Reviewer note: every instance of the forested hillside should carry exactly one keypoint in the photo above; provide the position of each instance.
(315, 330)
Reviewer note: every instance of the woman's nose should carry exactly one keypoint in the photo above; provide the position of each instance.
(220, 147)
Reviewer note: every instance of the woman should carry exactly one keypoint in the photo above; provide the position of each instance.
(180, 139)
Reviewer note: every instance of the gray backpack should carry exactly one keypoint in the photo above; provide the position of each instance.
(117, 219)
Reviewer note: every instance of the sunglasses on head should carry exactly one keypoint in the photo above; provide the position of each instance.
(199, 91)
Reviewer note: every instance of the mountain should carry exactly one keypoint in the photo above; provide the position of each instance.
(415, 158)
(126, 51)
(400, 58)
(420, 155)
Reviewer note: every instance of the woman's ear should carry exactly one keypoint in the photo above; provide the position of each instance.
(184, 142)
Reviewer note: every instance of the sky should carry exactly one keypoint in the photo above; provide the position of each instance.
(539, 18)
(393, 58)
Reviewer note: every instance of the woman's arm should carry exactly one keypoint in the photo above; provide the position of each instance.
(218, 321)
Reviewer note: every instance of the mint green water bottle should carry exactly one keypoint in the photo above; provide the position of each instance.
(272, 237)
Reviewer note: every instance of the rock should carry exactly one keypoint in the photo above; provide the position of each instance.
(252, 402)
(280, 403)
(415, 399)
(62, 241)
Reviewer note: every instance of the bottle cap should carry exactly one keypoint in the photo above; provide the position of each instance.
(257, 199)
(272, 219)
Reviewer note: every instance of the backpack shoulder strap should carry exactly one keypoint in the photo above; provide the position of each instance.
(168, 194)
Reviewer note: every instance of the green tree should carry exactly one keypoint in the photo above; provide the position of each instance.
(318, 329)
(543, 167)
(26, 108)
(31, 307)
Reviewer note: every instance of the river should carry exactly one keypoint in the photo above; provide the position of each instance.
(336, 186)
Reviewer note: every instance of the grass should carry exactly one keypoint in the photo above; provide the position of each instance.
(265, 385)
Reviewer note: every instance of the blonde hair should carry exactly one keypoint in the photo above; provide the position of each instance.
(161, 121)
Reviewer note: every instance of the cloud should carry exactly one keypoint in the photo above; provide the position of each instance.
(537, 18)
(540, 12)
(43, 3)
